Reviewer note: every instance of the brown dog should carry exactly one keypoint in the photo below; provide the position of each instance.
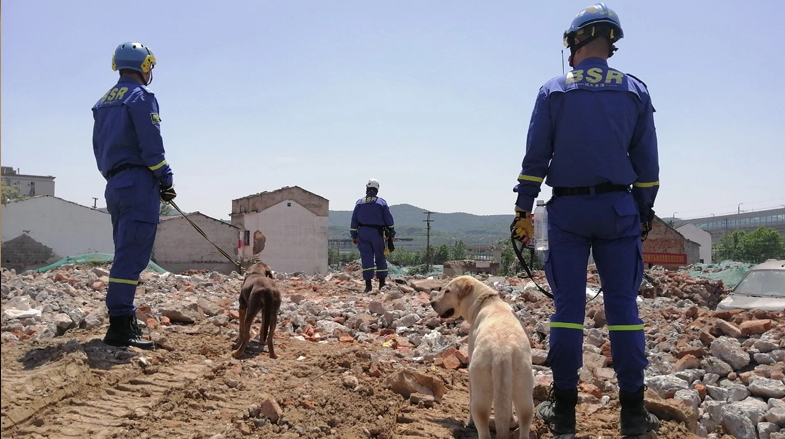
(258, 293)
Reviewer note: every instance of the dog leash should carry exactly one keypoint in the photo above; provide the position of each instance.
(525, 266)
(201, 232)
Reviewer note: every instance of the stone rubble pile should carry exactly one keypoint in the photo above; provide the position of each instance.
(716, 372)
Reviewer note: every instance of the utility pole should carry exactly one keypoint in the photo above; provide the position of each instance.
(428, 240)
(95, 202)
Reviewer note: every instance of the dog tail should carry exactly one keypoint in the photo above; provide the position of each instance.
(502, 395)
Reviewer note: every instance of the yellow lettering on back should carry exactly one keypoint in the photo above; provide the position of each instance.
(614, 75)
(103, 98)
(121, 92)
(112, 94)
(594, 75)
(574, 76)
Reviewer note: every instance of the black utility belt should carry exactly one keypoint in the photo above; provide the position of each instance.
(121, 168)
(588, 190)
(379, 228)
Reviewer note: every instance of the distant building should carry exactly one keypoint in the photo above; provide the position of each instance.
(666, 247)
(720, 225)
(702, 237)
(29, 185)
(286, 228)
(44, 229)
(178, 247)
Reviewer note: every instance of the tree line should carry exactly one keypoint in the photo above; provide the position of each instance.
(753, 247)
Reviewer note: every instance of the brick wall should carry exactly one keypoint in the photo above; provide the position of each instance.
(24, 252)
(664, 239)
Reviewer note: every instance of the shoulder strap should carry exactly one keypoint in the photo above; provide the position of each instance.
(637, 79)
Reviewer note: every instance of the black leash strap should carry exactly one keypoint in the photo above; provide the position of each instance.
(201, 232)
(519, 255)
(525, 266)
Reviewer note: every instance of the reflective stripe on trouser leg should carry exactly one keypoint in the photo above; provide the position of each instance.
(565, 268)
(381, 260)
(620, 265)
(133, 246)
(366, 256)
(133, 201)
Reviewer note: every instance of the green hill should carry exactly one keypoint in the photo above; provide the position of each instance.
(446, 228)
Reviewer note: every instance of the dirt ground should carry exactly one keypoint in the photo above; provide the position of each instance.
(77, 387)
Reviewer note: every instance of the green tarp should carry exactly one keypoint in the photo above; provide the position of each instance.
(94, 258)
(729, 272)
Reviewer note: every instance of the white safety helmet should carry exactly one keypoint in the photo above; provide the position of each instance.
(372, 184)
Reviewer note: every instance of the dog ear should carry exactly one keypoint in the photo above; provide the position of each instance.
(462, 287)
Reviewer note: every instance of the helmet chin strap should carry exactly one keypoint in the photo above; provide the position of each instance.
(151, 78)
(595, 33)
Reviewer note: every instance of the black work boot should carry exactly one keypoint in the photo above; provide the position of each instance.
(381, 283)
(368, 286)
(635, 419)
(122, 332)
(135, 326)
(559, 411)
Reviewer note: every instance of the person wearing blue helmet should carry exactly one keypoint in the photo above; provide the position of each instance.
(592, 139)
(129, 152)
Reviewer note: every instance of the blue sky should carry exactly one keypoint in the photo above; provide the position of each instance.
(433, 98)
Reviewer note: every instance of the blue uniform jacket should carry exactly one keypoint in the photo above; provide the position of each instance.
(592, 125)
(127, 130)
(371, 211)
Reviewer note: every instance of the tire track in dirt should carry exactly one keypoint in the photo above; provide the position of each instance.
(39, 379)
(91, 390)
(108, 410)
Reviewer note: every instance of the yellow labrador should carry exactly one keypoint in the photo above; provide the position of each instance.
(500, 365)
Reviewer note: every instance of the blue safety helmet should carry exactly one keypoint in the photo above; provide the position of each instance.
(597, 21)
(133, 56)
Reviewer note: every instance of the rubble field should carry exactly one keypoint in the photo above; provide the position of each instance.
(354, 365)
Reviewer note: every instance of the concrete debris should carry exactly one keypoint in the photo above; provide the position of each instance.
(711, 371)
(737, 423)
(182, 312)
(730, 351)
(406, 382)
(270, 409)
(767, 388)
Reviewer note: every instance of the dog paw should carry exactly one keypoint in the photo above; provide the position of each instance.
(469, 423)
(273, 356)
(237, 354)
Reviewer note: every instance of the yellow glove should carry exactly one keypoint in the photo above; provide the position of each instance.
(522, 227)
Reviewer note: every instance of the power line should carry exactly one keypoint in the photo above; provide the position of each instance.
(428, 240)
(731, 206)
(735, 212)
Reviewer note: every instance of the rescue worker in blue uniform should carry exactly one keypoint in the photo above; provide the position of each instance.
(371, 221)
(129, 152)
(592, 139)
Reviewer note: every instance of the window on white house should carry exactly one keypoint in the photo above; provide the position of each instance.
(247, 238)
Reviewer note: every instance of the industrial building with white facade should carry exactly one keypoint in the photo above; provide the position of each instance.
(286, 228)
(720, 225)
